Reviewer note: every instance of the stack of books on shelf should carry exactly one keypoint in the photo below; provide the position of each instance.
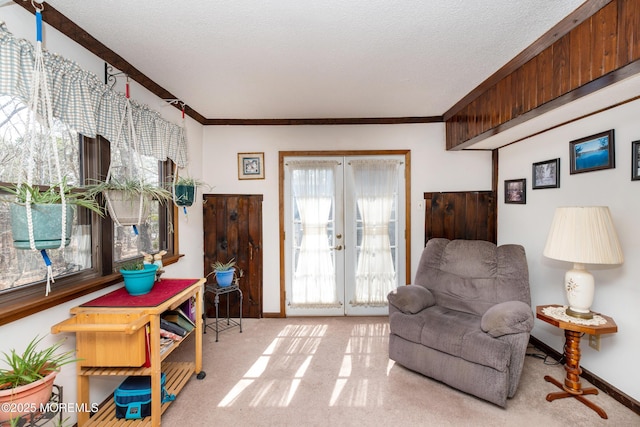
(175, 325)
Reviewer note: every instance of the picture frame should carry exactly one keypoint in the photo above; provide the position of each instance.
(545, 174)
(635, 161)
(515, 191)
(251, 165)
(591, 153)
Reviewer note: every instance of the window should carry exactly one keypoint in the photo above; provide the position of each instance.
(127, 240)
(97, 245)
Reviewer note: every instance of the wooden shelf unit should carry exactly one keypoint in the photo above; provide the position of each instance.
(111, 341)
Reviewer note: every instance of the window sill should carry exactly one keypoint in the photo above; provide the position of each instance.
(24, 307)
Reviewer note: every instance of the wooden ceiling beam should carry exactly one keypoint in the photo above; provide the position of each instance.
(578, 16)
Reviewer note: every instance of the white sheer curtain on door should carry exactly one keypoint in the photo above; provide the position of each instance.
(376, 182)
(313, 190)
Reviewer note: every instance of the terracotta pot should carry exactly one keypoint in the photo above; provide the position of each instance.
(26, 399)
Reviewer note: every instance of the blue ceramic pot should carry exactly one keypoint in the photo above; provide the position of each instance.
(224, 278)
(139, 282)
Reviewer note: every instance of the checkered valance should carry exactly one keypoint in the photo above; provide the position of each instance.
(86, 104)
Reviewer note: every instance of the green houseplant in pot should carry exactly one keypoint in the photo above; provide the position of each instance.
(224, 272)
(27, 380)
(46, 211)
(184, 191)
(128, 201)
(138, 277)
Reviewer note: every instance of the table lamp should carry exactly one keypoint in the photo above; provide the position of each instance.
(582, 235)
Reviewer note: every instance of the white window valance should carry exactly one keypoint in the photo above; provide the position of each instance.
(86, 104)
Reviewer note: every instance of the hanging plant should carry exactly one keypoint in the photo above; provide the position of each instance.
(128, 201)
(47, 213)
(184, 190)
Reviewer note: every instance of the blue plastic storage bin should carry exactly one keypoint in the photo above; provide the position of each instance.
(133, 397)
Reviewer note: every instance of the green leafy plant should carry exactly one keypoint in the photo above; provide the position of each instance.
(188, 181)
(132, 266)
(223, 266)
(32, 364)
(132, 188)
(77, 196)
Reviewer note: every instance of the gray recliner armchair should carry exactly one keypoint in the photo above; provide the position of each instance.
(466, 319)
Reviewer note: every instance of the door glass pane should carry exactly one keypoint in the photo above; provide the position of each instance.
(375, 183)
(313, 207)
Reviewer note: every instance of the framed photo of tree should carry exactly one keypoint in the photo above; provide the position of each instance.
(515, 191)
(546, 174)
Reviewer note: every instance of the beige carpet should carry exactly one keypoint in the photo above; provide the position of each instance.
(336, 372)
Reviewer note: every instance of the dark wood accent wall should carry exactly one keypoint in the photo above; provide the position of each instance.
(601, 50)
(460, 215)
(232, 226)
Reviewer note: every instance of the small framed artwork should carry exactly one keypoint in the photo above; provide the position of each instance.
(546, 174)
(515, 191)
(593, 153)
(635, 161)
(250, 165)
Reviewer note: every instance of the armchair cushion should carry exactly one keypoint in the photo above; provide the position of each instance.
(506, 318)
(411, 299)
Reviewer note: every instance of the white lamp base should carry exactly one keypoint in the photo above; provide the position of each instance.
(580, 289)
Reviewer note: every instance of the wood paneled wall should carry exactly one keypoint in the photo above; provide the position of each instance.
(460, 215)
(592, 55)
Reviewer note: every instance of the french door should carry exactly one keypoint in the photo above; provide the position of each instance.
(344, 233)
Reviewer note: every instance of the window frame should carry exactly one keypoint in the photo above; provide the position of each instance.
(30, 299)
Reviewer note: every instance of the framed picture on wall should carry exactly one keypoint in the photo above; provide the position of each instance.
(250, 165)
(515, 191)
(593, 153)
(546, 174)
(635, 161)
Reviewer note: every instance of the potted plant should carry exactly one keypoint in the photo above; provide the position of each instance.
(128, 201)
(138, 277)
(184, 190)
(46, 213)
(224, 272)
(27, 381)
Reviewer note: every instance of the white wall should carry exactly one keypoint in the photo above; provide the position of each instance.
(432, 169)
(18, 334)
(617, 289)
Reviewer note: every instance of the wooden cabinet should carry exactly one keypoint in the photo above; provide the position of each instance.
(116, 335)
(460, 215)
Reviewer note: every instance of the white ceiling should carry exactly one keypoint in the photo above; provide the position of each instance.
(267, 59)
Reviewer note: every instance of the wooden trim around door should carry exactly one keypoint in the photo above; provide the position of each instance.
(407, 208)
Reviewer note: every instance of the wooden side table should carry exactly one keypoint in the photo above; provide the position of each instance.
(573, 331)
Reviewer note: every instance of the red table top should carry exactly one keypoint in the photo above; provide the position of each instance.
(161, 291)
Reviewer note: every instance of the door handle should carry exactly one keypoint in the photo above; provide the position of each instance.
(338, 248)
(338, 236)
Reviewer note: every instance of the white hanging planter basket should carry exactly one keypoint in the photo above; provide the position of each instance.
(127, 208)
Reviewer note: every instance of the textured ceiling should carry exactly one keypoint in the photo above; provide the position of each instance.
(255, 59)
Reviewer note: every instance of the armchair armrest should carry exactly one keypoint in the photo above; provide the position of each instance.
(411, 299)
(511, 317)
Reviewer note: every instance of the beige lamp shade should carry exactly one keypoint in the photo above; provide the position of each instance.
(582, 235)
(585, 235)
